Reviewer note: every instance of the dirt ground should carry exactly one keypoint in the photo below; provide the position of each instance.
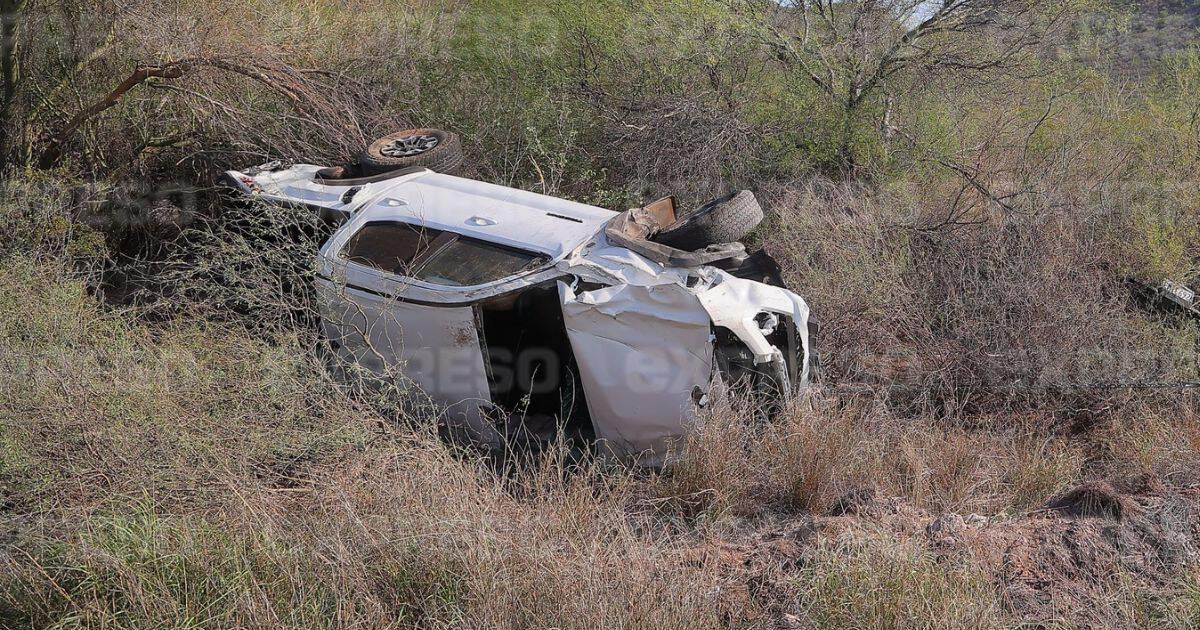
(1056, 565)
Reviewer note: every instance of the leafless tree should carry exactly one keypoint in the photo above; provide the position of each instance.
(851, 49)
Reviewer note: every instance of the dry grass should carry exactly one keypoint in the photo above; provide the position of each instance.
(1151, 445)
(1003, 289)
(406, 536)
(881, 584)
(820, 451)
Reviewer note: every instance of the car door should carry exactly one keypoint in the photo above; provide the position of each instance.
(430, 352)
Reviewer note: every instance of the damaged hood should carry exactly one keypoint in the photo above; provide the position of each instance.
(730, 302)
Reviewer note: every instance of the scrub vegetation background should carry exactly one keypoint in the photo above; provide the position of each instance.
(1002, 437)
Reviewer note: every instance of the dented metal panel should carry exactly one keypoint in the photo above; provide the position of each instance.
(642, 352)
(734, 302)
(604, 262)
(730, 302)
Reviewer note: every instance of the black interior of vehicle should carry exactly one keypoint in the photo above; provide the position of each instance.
(531, 368)
(759, 266)
(766, 387)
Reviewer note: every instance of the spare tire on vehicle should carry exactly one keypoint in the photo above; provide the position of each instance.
(434, 149)
(724, 220)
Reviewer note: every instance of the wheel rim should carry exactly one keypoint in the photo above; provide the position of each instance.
(409, 146)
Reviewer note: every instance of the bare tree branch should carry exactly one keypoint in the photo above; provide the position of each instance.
(849, 49)
(52, 152)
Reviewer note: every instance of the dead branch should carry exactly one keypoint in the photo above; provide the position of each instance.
(53, 151)
(305, 96)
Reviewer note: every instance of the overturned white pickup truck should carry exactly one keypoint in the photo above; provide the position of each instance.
(523, 315)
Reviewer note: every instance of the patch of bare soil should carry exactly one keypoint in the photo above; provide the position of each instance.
(1053, 565)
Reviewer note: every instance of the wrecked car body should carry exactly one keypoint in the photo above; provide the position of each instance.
(516, 312)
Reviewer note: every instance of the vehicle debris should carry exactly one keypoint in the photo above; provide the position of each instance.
(516, 311)
(1166, 297)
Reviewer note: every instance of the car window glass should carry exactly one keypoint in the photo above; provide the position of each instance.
(435, 256)
(467, 262)
(389, 246)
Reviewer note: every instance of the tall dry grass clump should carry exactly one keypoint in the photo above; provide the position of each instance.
(821, 455)
(866, 584)
(404, 535)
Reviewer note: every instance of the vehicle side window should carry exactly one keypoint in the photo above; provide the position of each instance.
(436, 256)
(467, 262)
(389, 247)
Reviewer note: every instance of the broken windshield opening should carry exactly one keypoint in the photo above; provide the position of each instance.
(436, 256)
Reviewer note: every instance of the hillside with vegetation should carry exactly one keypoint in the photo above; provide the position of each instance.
(961, 190)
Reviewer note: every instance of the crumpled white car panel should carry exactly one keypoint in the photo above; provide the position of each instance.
(734, 302)
(641, 352)
(658, 319)
(730, 301)
(601, 262)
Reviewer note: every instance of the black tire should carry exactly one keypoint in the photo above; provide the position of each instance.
(724, 220)
(444, 153)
